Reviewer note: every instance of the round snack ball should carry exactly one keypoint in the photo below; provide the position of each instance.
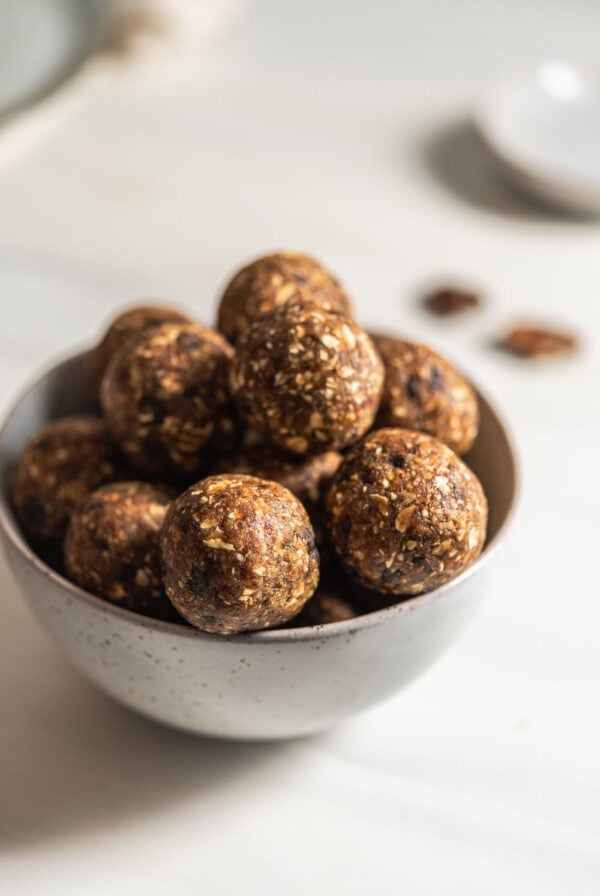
(126, 326)
(339, 598)
(405, 514)
(57, 469)
(325, 606)
(305, 477)
(111, 547)
(274, 280)
(308, 380)
(238, 554)
(165, 399)
(423, 391)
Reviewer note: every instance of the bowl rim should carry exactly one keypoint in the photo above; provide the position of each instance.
(12, 533)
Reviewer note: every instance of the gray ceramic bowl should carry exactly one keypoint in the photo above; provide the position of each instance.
(270, 684)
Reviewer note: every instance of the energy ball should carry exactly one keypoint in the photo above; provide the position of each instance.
(423, 391)
(405, 514)
(308, 380)
(305, 477)
(165, 399)
(238, 554)
(111, 546)
(56, 471)
(126, 326)
(327, 604)
(272, 281)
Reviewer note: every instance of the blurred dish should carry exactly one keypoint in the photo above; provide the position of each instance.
(545, 130)
(42, 43)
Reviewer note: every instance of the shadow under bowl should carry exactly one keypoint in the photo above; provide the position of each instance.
(260, 685)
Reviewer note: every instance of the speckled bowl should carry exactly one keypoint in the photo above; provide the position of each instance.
(270, 684)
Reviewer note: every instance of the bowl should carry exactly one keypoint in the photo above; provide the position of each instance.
(260, 685)
(544, 129)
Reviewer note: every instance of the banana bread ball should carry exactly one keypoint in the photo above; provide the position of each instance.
(165, 399)
(305, 477)
(423, 391)
(127, 325)
(308, 380)
(405, 514)
(272, 281)
(57, 469)
(325, 606)
(111, 546)
(238, 554)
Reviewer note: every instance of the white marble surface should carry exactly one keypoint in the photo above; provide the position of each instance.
(333, 128)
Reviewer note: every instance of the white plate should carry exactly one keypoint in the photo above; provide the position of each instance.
(545, 128)
(43, 42)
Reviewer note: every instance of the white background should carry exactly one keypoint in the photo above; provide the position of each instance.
(334, 128)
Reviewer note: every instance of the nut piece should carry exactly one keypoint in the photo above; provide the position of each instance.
(273, 280)
(306, 379)
(405, 514)
(423, 391)
(538, 342)
(451, 300)
(238, 554)
(165, 400)
(127, 325)
(56, 471)
(305, 477)
(111, 547)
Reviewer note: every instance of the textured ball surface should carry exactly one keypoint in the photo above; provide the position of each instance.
(306, 379)
(305, 477)
(57, 470)
(129, 324)
(405, 514)
(111, 547)
(425, 392)
(238, 554)
(325, 606)
(165, 399)
(273, 280)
